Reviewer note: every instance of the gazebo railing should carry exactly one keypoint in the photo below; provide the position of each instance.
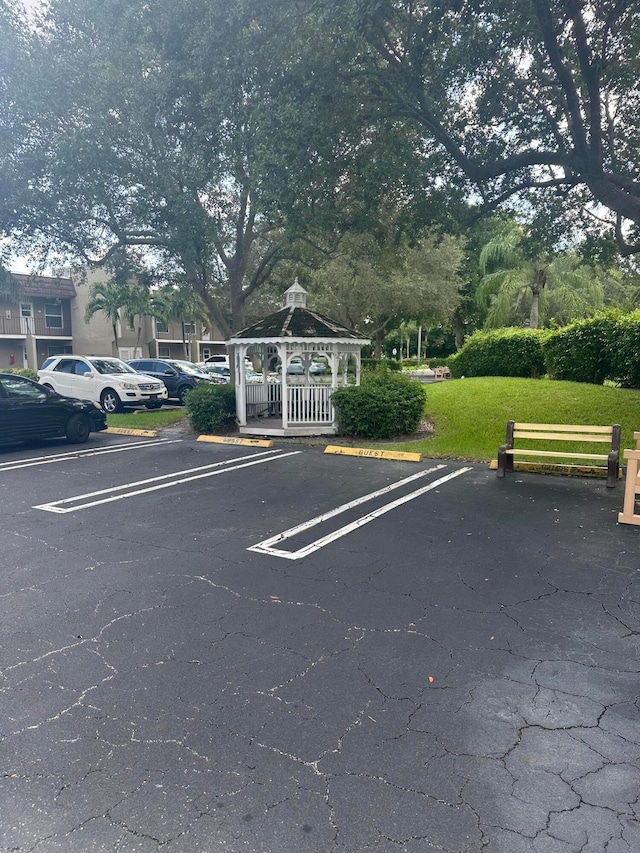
(310, 405)
(305, 404)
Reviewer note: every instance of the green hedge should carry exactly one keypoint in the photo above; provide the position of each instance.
(381, 363)
(384, 405)
(624, 353)
(21, 371)
(210, 406)
(604, 347)
(504, 352)
(583, 351)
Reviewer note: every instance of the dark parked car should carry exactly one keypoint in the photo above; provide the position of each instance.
(31, 411)
(179, 376)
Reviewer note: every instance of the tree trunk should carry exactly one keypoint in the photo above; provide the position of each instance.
(458, 328)
(377, 342)
(537, 286)
(184, 341)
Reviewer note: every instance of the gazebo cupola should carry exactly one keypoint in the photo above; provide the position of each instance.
(304, 357)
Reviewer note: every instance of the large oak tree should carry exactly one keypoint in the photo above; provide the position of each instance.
(522, 96)
(199, 137)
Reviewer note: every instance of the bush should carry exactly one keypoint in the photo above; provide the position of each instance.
(384, 363)
(21, 371)
(505, 352)
(584, 351)
(625, 351)
(210, 406)
(383, 406)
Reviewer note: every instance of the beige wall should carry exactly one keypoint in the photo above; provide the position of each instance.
(95, 337)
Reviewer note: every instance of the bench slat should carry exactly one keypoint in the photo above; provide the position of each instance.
(513, 451)
(605, 430)
(563, 436)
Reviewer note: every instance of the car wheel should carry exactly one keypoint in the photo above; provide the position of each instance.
(182, 392)
(153, 405)
(46, 385)
(78, 429)
(110, 401)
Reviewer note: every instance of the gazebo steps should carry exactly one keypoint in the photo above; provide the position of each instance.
(274, 426)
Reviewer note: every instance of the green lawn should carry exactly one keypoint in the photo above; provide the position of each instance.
(470, 415)
(146, 418)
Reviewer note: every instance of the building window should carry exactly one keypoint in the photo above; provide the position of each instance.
(53, 315)
(164, 351)
(161, 326)
(189, 327)
(59, 349)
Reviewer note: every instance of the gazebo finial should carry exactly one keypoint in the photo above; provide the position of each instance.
(295, 296)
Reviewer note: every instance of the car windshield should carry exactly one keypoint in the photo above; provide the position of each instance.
(111, 365)
(187, 367)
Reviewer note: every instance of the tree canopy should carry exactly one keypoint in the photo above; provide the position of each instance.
(522, 97)
(213, 141)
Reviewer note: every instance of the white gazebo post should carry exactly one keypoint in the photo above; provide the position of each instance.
(298, 403)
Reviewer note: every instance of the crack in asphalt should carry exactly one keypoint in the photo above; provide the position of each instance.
(380, 726)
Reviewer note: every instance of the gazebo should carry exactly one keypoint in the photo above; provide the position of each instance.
(304, 357)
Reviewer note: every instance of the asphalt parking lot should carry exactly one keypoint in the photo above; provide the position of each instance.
(218, 648)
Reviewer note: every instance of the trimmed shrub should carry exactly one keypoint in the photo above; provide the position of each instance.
(384, 405)
(210, 406)
(21, 371)
(585, 351)
(384, 363)
(625, 351)
(504, 352)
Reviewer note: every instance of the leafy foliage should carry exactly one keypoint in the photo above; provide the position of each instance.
(374, 290)
(606, 347)
(508, 352)
(210, 406)
(582, 352)
(21, 371)
(522, 99)
(382, 406)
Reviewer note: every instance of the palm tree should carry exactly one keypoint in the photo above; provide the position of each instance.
(179, 304)
(513, 283)
(108, 297)
(138, 305)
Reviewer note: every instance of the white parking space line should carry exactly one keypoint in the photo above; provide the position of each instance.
(81, 454)
(165, 481)
(266, 547)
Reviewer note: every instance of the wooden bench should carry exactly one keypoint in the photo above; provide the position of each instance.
(516, 431)
(441, 373)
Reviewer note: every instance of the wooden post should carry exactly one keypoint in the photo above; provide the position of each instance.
(631, 489)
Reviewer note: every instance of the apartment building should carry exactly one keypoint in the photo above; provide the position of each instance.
(48, 318)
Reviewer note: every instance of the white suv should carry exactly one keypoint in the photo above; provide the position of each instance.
(103, 379)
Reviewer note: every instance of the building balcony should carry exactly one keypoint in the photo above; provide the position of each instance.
(21, 327)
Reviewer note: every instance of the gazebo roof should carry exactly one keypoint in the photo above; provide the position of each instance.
(292, 322)
(296, 321)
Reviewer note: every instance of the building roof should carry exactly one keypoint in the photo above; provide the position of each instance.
(294, 322)
(44, 285)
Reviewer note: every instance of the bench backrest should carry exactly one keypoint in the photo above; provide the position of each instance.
(565, 432)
